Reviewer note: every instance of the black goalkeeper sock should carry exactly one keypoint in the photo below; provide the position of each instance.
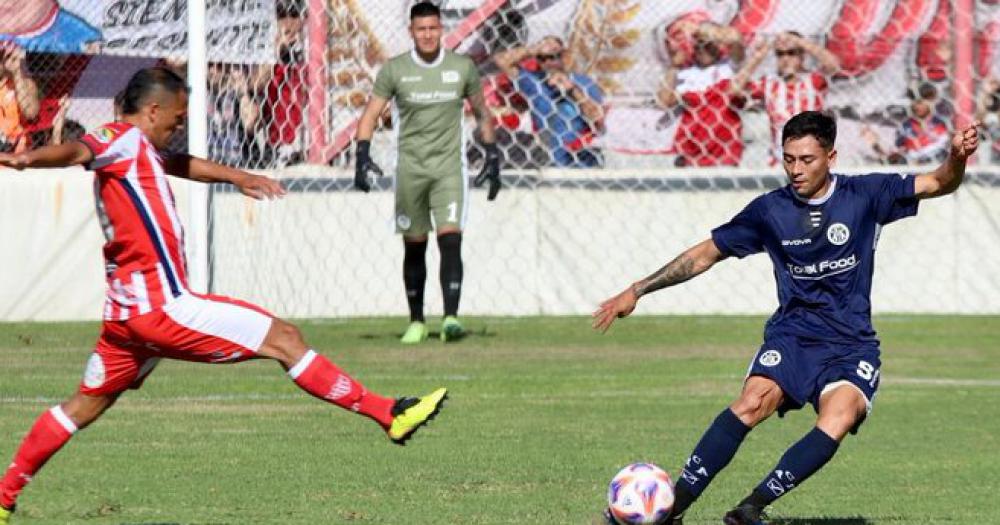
(450, 245)
(414, 276)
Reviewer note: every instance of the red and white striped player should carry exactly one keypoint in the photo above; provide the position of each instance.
(792, 89)
(150, 313)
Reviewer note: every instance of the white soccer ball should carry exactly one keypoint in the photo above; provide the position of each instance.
(640, 494)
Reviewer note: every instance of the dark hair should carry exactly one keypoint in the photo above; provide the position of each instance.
(145, 82)
(926, 90)
(73, 131)
(422, 9)
(820, 125)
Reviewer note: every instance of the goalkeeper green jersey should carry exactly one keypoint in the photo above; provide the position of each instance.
(428, 112)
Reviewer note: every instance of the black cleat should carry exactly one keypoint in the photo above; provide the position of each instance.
(745, 515)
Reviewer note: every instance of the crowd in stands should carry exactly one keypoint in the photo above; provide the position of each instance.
(548, 114)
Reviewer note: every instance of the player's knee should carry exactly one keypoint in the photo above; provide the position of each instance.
(757, 404)
(284, 342)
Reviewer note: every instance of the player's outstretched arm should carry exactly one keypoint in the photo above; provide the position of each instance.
(202, 170)
(948, 176)
(61, 156)
(694, 261)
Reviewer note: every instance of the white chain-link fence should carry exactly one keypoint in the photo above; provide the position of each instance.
(699, 83)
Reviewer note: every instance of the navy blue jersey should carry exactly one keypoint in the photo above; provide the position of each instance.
(823, 251)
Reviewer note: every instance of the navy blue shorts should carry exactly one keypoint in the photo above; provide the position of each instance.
(805, 369)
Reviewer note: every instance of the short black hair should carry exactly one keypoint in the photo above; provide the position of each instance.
(145, 82)
(422, 9)
(818, 124)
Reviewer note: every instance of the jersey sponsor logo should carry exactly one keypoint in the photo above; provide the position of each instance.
(838, 233)
(796, 242)
(93, 376)
(432, 96)
(450, 77)
(823, 269)
(407, 80)
(770, 358)
(403, 221)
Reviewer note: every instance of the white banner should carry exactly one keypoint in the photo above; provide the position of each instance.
(239, 31)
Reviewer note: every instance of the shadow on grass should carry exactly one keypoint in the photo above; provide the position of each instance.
(432, 335)
(819, 521)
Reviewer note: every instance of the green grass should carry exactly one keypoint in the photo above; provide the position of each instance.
(542, 413)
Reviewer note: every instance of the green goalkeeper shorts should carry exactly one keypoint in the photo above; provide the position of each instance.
(429, 202)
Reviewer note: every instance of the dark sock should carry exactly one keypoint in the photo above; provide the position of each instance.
(450, 245)
(800, 461)
(414, 276)
(717, 447)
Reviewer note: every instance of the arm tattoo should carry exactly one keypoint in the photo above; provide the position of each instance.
(675, 272)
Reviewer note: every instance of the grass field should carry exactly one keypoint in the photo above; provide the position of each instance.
(542, 413)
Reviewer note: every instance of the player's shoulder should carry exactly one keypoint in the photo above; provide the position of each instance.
(105, 134)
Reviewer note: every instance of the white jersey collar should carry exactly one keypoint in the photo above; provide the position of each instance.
(420, 62)
(819, 200)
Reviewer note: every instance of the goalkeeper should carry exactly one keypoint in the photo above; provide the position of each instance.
(429, 85)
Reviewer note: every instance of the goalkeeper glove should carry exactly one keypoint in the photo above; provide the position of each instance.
(362, 165)
(490, 171)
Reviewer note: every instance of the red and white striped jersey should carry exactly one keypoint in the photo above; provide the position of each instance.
(144, 253)
(783, 100)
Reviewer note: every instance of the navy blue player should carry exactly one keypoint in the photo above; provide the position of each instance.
(820, 232)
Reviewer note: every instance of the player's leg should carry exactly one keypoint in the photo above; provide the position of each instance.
(842, 403)
(414, 223)
(50, 432)
(221, 330)
(111, 369)
(448, 207)
(840, 410)
(761, 397)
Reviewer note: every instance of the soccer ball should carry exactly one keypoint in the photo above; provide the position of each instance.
(640, 494)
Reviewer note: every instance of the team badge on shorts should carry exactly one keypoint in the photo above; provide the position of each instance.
(403, 221)
(838, 233)
(770, 358)
(94, 376)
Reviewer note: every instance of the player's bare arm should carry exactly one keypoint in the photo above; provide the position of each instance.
(202, 170)
(948, 176)
(366, 125)
(61, 156)
(484, 119)
(693, 262)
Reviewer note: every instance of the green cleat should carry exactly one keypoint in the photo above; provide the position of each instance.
(451, 329)
(415, 333)
(5, 516)
(411, 413)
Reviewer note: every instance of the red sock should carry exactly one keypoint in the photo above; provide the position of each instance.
(51, 431)
(321, 378)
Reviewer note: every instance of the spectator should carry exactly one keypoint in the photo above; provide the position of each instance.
(565, 107)
(988, 112)
(18, 98)
(234, 118)
(792, 89)
(62, 130)
(698, 82)
(45, 26)
(285, 90)
(922, 138)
